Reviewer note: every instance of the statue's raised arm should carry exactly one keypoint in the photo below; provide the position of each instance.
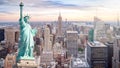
(21, 10)
(21, 20)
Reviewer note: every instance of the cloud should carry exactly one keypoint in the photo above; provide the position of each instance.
(52, 4)
(55, 4)
(6, 12)
(60, 4)
(2, 2)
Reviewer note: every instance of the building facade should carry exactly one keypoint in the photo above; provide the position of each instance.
(110, 53)
(10, 61)
(59, 25)
(97, 55)
(116, 49)
(72, 46)
(11, 35)
(2, 36)
(99, 29)
(47, 53)
(47, 42)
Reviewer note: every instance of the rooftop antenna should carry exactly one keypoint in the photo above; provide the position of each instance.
(59, 13)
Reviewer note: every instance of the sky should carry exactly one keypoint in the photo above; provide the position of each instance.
(72, 10)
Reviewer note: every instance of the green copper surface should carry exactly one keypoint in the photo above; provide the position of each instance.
(26, 42)
(91, 35)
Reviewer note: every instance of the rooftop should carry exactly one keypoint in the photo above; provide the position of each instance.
(72, 32)
(77, 62)
(1, 48)
(96, 44)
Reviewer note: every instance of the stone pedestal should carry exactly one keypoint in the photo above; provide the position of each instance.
(27, 64)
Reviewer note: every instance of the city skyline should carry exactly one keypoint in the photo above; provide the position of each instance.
(72, 10)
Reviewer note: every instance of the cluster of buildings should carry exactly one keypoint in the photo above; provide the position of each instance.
(66, 45)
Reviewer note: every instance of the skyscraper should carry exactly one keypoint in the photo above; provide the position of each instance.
(11, 35)
(47, 54)
(57, 49)
(116, 49)
(47, 42)
(72, 46)
(99, 29)
(110, 53)
(2, 31)
(10, 61)
(97, 55)
(116, 54)
(59, 25)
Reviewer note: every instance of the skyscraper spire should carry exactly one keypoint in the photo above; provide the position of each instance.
(59, 25)
(59, 13)
(118, 19)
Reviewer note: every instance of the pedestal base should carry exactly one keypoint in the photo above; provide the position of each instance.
(27, 64)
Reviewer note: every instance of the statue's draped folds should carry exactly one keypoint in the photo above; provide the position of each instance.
(26, 42)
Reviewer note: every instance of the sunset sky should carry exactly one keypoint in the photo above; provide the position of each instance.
(72, 10)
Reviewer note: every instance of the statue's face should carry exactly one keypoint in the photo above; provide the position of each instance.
(26, 19)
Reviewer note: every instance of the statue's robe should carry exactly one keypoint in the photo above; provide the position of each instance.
(26, 42)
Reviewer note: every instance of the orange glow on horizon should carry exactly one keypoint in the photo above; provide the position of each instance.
(69, 15)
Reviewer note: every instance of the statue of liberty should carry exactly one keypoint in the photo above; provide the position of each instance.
(26, 42)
